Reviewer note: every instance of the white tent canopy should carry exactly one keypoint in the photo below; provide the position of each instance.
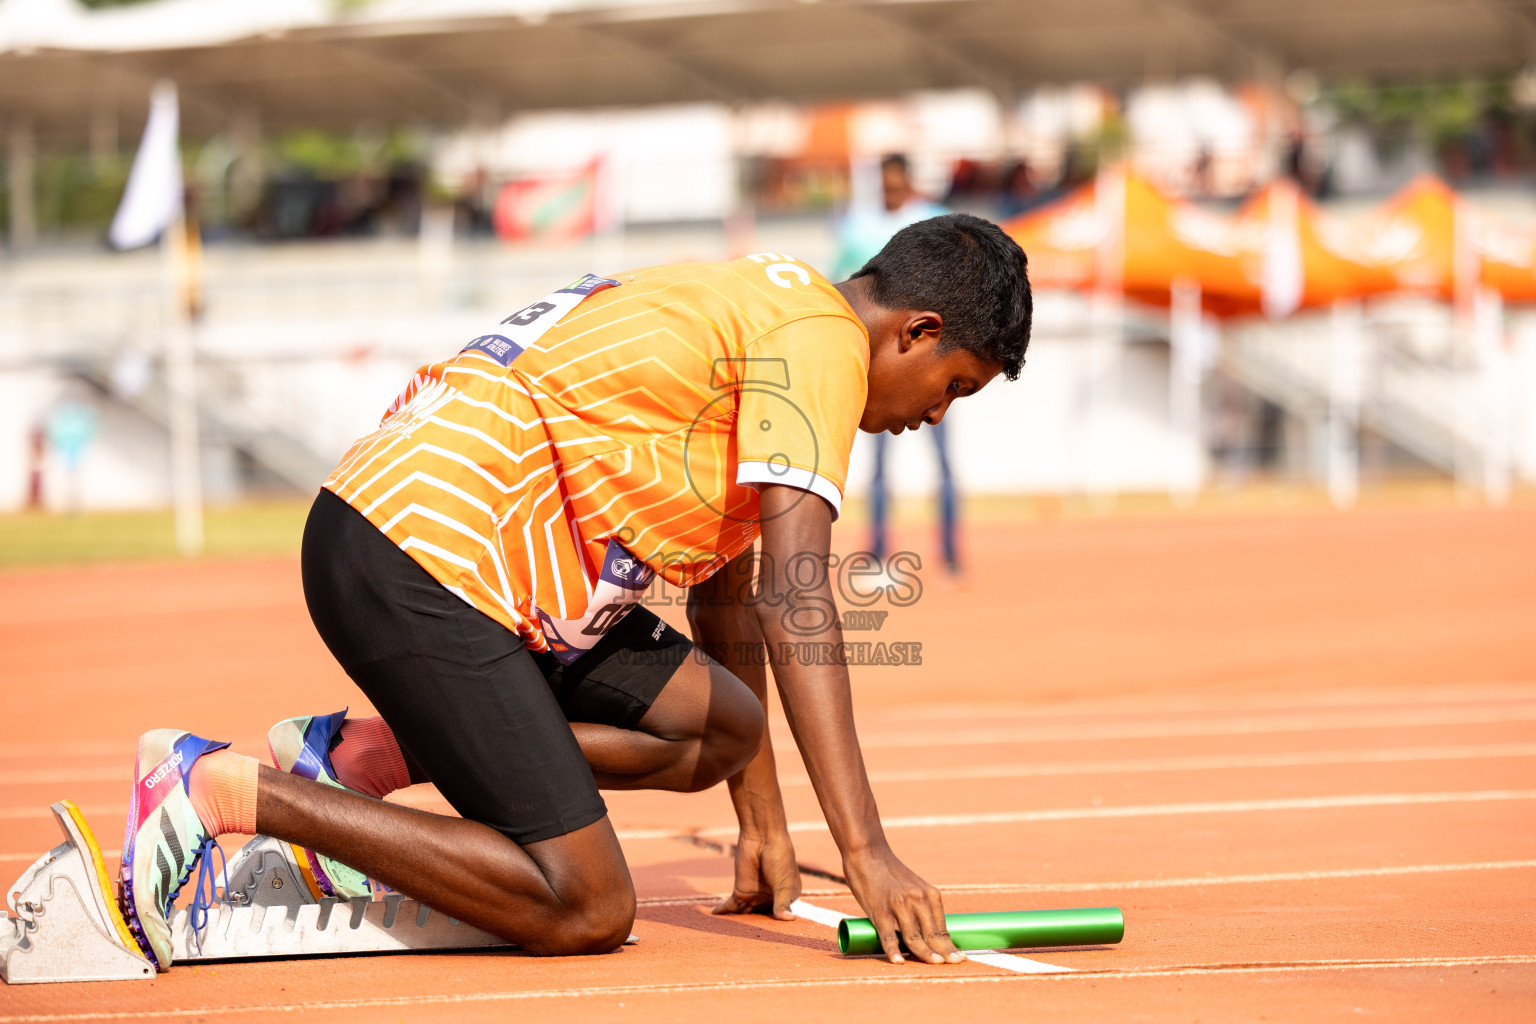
(30, 25)
(315, 62)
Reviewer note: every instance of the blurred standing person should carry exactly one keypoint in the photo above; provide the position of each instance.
(861, 236)
(1019, 192)
(37, 460)
(1202, 174)
(71, 429)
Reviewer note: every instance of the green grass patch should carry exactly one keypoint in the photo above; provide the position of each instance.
(258, 529)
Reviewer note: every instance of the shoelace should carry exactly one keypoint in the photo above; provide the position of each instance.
(206, 894)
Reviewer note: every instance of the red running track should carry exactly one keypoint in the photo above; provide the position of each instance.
(1298, 750)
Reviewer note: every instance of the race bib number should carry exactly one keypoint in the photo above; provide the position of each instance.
(522, 329)
(620, 586)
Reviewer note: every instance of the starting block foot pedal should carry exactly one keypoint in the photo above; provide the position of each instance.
(65, 925)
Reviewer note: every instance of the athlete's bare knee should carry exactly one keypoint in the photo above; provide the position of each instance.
(591, 898)
(595, 924)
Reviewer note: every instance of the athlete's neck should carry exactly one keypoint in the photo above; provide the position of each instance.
(858, 292)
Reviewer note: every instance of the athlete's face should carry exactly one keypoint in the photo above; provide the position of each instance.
(911, 382)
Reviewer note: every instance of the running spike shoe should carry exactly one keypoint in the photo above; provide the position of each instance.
(164, 841)
(302, 746)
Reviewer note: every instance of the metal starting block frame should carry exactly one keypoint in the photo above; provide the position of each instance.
(64, 923)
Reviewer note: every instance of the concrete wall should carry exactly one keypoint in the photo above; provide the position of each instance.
(319, 338)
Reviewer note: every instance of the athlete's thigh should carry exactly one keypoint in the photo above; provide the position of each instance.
(646, 675)
(703, 698)
(461, 693)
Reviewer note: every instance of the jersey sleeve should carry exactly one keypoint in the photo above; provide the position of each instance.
(802, 395)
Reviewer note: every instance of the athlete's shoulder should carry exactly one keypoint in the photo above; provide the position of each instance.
(789, 282)
(763, 289)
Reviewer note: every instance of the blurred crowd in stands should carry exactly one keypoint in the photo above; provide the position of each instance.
(1343, 140)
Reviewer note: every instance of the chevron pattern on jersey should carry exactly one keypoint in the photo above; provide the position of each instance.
(630, 419)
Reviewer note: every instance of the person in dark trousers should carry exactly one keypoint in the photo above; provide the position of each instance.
(861, 236)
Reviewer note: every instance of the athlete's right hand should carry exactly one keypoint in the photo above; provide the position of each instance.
(897, 900)
(767, 876)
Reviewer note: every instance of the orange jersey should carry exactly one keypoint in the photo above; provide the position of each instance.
(614, 431)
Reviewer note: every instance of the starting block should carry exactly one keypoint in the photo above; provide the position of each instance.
(64, 923)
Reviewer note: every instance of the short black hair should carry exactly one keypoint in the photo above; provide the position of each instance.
(895, 160)
(968, 271)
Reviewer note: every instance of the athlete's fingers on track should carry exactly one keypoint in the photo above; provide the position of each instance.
(748, 903)
(931, 914)
(913, 930)
(885, 927)
(739, 903)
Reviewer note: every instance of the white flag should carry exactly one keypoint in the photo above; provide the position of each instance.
(153, 199)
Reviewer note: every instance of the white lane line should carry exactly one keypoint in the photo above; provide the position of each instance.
(1457, 694)
(1259, 879)
(1430, 711)
(1197, 881)
(1006, 961)
(115, 774)
(1017, 817)
(41, 813)
(823, 916)
(1162, 810)
(121, 749)
(121, 810)
(1017, 964)
(421, 798)
(1241, 726)
(773, 984)
(1374, 755)
(45, 776)
(632, 834)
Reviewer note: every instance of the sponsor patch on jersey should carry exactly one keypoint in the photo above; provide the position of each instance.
(625, 570)
(499, 347)
(588, 284)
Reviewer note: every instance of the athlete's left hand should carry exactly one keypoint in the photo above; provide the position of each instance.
(767, 876)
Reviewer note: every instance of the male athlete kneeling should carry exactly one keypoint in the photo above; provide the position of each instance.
(476, 566)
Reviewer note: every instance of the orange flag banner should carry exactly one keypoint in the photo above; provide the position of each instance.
(1306, 259)
(1280, 254)
(1156, 240)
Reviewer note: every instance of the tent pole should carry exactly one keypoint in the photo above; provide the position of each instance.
(1102, 472)
(1345, 384)
(181, 387)
(1488, 340)
(1184, 324)
(21, 161)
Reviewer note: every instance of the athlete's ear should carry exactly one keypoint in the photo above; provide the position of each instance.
(918, 325)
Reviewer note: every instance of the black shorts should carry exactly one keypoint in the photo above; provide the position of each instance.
(483, 717)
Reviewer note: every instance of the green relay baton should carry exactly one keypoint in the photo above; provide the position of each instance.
(1014, 929)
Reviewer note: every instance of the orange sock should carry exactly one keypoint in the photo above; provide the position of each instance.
(223, 791)
(368, 758)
